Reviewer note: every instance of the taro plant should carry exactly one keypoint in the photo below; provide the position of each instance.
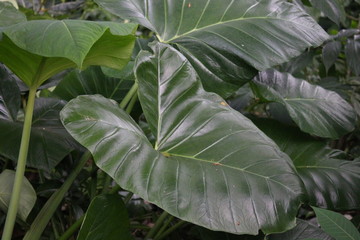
(190, 149)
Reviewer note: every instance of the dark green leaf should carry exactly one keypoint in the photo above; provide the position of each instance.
(336, 225)
(330, 183)
(210, 166)
(9, 15)
(315, 110)
(106, 218)
(40, 49)
(28, 194)
(330, 53)
(299, 63)
(10, 99)
(200, 233)
(303, 231)
(352, 51)
(49, 142)
(91, 81)
(333, 9)
(222, 38)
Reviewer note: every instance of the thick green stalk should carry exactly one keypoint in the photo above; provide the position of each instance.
(45, 214)
(71, 230)
(157, 226)
(170, 230)
(129, 95)
(20, 169)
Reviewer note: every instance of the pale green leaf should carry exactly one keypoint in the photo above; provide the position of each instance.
(336, 225)
(28, 194)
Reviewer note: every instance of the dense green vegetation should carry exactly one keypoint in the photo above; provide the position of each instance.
(206, 119)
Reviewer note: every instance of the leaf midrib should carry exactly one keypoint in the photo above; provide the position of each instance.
(224, 22)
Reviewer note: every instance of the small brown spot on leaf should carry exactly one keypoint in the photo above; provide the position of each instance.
(223, 103)
(238, 223)
(189, 5)
(217, 164)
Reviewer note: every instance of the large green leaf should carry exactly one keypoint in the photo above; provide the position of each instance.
(330, 183)
(330, 53)
(222, 37)
(10, 98)
(92, 81)
(9, 15)
(303, 231)
(333, 9)
(315, 110)
(336, 225)
(49, 142)
(39, 49)
(28, 194)
(210, 166)
(106, 218)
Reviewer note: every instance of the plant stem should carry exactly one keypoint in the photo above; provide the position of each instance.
(172, 229)
(71, 230)
(129, 95)
(20, 169)
(131, 103)
(164, 226)
(157, 225)
(45, 214)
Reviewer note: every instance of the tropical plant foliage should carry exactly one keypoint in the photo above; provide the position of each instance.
(225, 118)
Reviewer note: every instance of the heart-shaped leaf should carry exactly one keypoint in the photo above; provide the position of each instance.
(92, 81)
(222, 37)
(9, 15)
(336, 225)
(40, 49)
(48, 136)
(210, 166)
(106, 217)
(314, 109)
(330, 183)
(303, 231)
(28, 194)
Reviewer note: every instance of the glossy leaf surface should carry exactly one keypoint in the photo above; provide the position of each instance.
(9, 15)
(210, 166)
(50, 142)
(28, 194)
(330, 183)
(333, 9)
(303, 231)
(352, 51)
(336, 225)
(74, 43)
(315, 110)
(106, 218)
(222, 38)
(92, 81)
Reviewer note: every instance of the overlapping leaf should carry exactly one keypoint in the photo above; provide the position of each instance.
(39, 49)
(9, 15)
(303, 231)
(352, 51)
(50, 142)
(9, 96)
(333, 9)
(330, 183)
(221, 38)
(106, 218)
(28, 194)
(210, 166)
(92, 81)
(315, 110)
